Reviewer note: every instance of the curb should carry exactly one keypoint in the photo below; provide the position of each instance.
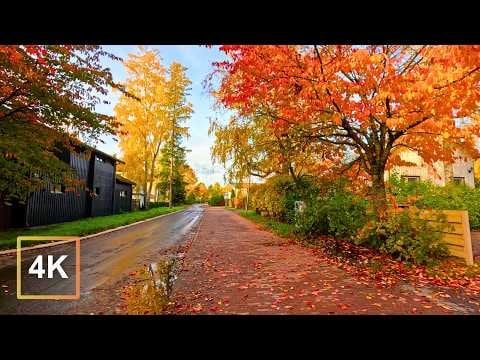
(35, 247)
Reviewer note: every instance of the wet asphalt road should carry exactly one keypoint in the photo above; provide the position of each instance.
(105, 261)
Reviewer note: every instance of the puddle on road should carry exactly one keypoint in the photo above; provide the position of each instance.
(150, 289)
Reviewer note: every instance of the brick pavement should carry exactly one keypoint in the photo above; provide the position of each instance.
(234, 267)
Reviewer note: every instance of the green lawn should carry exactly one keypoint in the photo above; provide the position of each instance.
(8, 239)
(279, 228)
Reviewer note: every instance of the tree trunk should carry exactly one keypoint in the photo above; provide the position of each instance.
(170, 192)
(146, 198)
(248, 194)
(379, 195)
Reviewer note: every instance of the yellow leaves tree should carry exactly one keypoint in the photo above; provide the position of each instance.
(199, 192)
(189, 178)
(144, 122)
(251, 146)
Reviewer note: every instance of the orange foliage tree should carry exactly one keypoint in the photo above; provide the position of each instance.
(369, 101)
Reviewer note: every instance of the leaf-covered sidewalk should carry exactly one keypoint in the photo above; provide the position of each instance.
(234, 267)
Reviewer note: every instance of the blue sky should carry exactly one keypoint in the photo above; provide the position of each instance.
(198, 61)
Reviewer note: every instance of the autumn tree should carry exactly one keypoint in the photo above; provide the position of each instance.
(215, 194)
(144, 123)
(253, 146)
(189, 178)
(369, 101)
(178, 111)
(48, 95)
(171, 180)
(200, 192)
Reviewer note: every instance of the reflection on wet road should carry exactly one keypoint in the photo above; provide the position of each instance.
(105, 260)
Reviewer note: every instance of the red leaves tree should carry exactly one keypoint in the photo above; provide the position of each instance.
(371, 101)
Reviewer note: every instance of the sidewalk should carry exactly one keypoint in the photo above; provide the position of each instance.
(233, 267)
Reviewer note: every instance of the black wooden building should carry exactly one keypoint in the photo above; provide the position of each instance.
(101, 192)
(123, 194)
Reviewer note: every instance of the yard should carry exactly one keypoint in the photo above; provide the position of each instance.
(8, 239)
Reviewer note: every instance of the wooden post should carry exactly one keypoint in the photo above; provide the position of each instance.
(468, 238)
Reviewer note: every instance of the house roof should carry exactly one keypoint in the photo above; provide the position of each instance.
(91, 148)
(120, 178)
(79, 144)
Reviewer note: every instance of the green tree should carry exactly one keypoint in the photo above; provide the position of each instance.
(171, 180)
(48, 96)
(179, 111)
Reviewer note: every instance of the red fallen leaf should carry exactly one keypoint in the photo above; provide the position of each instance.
(414, 309)
(243, 287)
(343, 306)
(197, 307)
(214, 309)
(288, 307)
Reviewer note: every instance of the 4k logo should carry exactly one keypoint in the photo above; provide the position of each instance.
(37, 267)
(52, 275)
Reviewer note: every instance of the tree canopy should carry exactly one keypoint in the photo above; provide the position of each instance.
(48, 96)
(369, 102)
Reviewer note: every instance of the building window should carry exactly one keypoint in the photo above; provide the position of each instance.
(97, 191)
(458, 180)
(99, 159)
(56, 188)
(123, 193)
(411, 178)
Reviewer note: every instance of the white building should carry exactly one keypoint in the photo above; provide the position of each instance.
(440, 173)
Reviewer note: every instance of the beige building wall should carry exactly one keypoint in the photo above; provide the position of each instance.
(438, 173)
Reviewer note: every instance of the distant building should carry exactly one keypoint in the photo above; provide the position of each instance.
(102, 193)
(440, 173)
(123, 194)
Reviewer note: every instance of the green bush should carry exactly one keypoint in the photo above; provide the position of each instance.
(158, 204)
(335, 211)
(216, 200)
(346, 214)
(312, 221)
(424, 194)
(276, 197)
(407, 237)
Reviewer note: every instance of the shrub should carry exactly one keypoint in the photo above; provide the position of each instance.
(335, 211)
(216, 200)
(424, 194)
(158, 204)
(407, 237)
(276, 197)
(312, 221)
(346, 214)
